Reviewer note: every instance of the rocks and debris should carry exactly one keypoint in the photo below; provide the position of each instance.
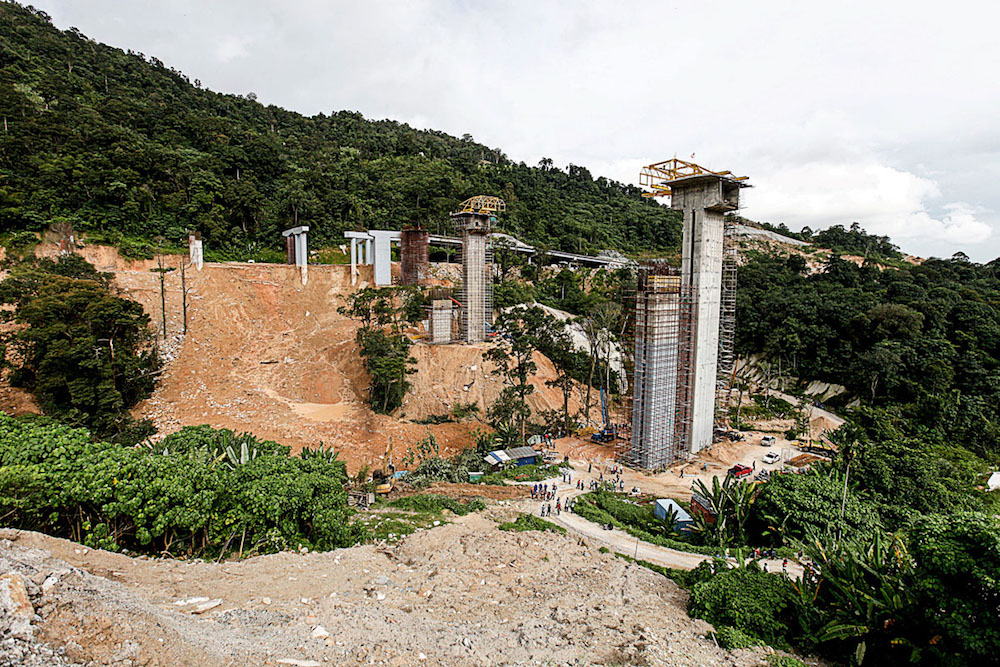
(464, 593)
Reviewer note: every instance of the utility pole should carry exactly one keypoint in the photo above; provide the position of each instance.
(184, 296)
(163, 271)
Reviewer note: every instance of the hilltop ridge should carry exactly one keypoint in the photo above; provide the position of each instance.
(121, 145)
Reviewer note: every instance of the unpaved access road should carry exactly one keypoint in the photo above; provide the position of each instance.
(621, 542)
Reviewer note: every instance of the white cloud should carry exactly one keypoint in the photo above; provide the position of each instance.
(231, 47)
(883, 199)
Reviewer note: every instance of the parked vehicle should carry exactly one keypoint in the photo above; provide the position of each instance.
(603, 437)
(772, 457)
(768, 440)
(739, 471)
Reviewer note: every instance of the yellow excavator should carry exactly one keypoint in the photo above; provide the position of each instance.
(383, 478)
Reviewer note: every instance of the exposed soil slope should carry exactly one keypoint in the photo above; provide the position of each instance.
(267, 355)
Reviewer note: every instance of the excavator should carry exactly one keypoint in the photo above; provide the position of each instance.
(383, 478)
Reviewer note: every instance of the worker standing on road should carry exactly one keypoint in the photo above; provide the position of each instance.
(590, 467)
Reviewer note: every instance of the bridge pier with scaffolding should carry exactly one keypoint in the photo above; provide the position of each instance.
(683, 323)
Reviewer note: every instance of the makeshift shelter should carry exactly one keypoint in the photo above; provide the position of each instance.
(665, 506)
(521, 456)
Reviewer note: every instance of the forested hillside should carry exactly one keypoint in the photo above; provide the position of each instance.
(921, 341)
(121, 143)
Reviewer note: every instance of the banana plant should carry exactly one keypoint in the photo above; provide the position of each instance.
(327, 454)
(862, 592)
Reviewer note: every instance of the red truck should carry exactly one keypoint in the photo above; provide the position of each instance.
(739, 471)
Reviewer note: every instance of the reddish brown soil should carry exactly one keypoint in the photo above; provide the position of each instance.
(265, 354)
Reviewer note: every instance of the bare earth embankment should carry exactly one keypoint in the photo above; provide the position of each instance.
(462, 594)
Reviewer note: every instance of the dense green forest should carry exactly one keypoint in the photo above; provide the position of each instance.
(121, 144)
(921, 342)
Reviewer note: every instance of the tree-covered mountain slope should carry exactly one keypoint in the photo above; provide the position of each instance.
(121, 143)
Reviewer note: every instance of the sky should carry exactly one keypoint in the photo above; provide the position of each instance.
(879, 112)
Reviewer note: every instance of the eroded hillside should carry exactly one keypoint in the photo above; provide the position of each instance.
(267, 355)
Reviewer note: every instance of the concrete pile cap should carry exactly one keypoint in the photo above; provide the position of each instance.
(302, 229)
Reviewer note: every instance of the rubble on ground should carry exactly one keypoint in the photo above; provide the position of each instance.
(462, 594)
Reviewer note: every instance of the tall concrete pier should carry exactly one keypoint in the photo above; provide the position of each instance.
(682, 318)
(704, 200)
(661, 378)
(474, 220)
(475, 237)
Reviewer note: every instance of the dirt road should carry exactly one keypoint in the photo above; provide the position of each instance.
(620, 541)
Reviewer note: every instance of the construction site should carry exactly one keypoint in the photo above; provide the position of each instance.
(680, 335)
(285, 364)
(265, 349)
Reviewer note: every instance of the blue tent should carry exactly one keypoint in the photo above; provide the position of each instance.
(665, 505)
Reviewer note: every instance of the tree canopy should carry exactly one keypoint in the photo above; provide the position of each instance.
(119, 143)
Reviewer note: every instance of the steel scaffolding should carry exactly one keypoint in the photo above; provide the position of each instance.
(654, 420)
(727, 326)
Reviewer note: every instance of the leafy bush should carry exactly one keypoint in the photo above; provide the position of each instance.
(19, 241)
(531, 522)
(186, 495)
(434, 419)
(529, 473)
(731, 638)
(759, 604)
(434, 503)
(956, 584)
(462, 411)
(790, 506)
(85, 354)
(135, 249)
(784, 661)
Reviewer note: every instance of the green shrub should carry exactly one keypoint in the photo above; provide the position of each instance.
(17, 242)
(434, 503)
(784, 661)
(434, 419)
(760, 604)
(134, 249)
(529, 473)
(531, 522)
(189, 494)
(603, 507)
(731, 638)
(462, 411)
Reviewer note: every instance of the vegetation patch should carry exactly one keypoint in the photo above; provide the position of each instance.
(436, 504)
(603, 507)
(531, 522)
(199, 491)
(86, 354)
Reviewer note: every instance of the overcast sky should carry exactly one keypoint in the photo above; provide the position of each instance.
(879, 112)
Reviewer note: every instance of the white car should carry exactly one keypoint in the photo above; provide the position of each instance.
(768, 440)
(772, 457)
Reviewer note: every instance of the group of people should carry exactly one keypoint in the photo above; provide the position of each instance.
(560, 506)
(543, 491)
